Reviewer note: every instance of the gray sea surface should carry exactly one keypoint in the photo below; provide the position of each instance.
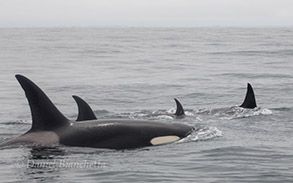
(134, 73)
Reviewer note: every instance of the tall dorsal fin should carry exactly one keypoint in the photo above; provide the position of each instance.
(45, 115)
(179, 108)
(85, 112)
(249, 101)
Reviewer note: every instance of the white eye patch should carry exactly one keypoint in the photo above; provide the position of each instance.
(164, 140)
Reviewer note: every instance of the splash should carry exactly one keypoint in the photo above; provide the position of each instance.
(238, 112)
(203, 134)
(159, 114)
(235, 112)
(17, 122)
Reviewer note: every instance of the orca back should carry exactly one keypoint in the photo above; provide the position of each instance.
(45, 115)
(179, 108)
(85, 112)
(249, 101)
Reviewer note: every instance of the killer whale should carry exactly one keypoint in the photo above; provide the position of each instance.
(249, 101)
(179, 113)
(179, 109)
(85, 112)
(50, 127)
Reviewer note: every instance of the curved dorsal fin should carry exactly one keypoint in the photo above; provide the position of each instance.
(179, 108)
(85, 112)
(249, 101)
(45, 115)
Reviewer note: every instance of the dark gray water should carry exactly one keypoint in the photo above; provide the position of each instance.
(134, 73)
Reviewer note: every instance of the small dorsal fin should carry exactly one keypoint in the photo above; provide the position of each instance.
(45, 115)
(85, 112)
(249, 101)
(179, 108)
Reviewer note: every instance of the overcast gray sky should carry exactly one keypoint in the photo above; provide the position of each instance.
(145, 13)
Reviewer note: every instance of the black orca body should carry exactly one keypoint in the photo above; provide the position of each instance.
(249, 101)
(51, 127)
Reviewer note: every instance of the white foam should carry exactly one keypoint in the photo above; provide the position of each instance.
(205, 133)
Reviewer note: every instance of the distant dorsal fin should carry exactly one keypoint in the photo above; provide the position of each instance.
(179, 108)
(45, 115)
(85, 112)
(249, 101)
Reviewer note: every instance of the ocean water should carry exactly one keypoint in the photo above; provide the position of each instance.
(134, 73)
